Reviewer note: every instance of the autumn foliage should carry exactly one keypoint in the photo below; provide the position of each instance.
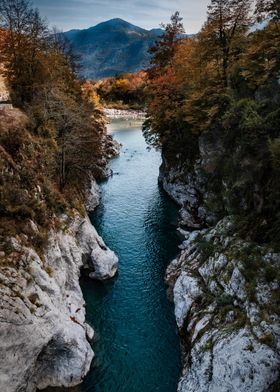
(126, 91)
(224, 83)
(54, 142)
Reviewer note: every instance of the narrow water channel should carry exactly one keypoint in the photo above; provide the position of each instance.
(137, 347)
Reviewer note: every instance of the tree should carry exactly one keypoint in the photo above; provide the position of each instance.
(228, 21)
(164, 49)
(62, 111)
(163, 96)
(260, 62)
(23, 48)
(41, 74)
(79, 134)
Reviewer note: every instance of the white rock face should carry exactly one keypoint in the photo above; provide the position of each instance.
(188, 191)
(177, 190)
(231, 333)
(93, 196)
(185, 292)
(43, 334)
(102, 262)
(236, 362)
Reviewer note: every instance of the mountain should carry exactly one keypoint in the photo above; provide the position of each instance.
(112, 47)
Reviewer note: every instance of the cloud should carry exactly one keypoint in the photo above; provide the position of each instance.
(69, 14)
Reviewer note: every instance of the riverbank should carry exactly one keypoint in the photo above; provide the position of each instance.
(127, 115)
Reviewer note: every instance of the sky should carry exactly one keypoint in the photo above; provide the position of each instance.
(79, 14)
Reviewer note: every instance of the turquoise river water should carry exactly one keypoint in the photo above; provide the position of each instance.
(137, 346)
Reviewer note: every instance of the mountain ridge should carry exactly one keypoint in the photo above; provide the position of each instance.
(117, 22)
(112, 47)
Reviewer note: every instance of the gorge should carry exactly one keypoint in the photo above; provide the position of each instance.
(141, 255)
(137, 346)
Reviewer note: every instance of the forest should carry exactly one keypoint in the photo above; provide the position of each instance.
(124, 91)
(53, 141)
(223, 84)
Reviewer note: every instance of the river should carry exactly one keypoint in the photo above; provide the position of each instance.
(137, 347)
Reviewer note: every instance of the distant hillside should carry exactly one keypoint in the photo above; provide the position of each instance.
(112, 47)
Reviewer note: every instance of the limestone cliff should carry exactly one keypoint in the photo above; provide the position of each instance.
(225, 289)
(43, 334)
(229, 327)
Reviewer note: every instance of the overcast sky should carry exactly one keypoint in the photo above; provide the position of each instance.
(70, 14)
